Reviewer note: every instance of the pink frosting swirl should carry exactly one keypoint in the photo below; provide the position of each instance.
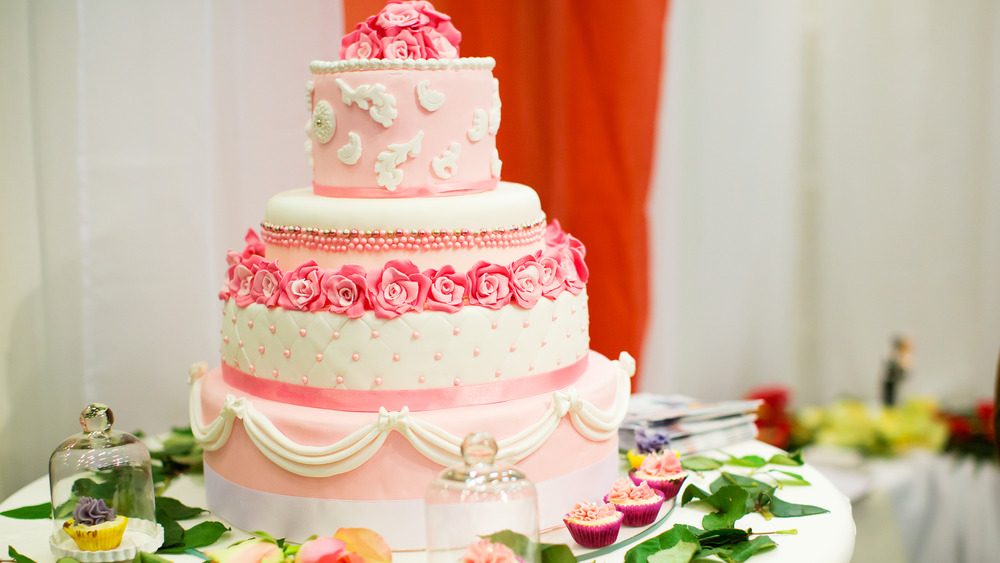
(403, 30)
(661, 465)
(345, 290)
(398, 288)
(447, 290)
(624, 490)
(485, 551)
(590, 512)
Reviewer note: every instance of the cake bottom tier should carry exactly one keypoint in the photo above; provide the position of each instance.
(297, 471)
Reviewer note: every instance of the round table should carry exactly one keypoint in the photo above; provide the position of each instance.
(821, 538)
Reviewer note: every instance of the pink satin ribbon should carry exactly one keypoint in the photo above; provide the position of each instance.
(377, 192)
(414, 399)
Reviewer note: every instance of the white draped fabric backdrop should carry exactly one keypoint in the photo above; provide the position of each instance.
(828, 174)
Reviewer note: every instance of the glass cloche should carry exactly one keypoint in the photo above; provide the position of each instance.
(476, 498)
(102, 493)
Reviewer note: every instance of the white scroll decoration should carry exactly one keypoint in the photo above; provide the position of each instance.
(324, 123)
(380, 104)
(495, 108)
(430, 100)
(495, 164)
(445, 166)
(480, 124)
(394, 155)
(351, 152)
(429, 440)
(309, 94)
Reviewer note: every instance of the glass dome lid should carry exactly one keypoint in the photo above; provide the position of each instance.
(103, 502)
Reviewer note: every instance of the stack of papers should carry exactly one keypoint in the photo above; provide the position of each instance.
(689, 425)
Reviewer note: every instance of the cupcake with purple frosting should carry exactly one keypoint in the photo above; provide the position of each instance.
(95, 526)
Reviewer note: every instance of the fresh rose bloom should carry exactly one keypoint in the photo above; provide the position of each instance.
(250, 551)
(326, 550)
(484, 551)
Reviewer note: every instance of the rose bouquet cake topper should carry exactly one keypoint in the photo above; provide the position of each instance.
(403, 30)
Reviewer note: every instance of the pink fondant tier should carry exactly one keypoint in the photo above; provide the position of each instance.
(341, 466)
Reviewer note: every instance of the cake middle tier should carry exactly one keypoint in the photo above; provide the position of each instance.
(500, 225)
(490, 351)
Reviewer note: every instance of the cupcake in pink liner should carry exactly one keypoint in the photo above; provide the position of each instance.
(661, 471)
(640, 504)
(594, 525)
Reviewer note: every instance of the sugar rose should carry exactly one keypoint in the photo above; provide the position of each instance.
(396, 289)
(300, 288)
(345, 290)
(489, 285)
(447, 289)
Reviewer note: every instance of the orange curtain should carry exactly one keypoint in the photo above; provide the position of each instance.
(580, 87)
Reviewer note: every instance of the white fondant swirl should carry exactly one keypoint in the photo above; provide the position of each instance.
(394, 155)
(495, 108)
(429, 440)
(480, 124)
(309, 94)
(324, 123)
(495, 164)
(444, 166)
(467, 63)
(430, 100)
(380, 104)
(351, 152)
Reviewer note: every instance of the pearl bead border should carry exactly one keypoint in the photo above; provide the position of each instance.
(467, 63)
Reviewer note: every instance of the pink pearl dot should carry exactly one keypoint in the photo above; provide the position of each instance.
(458, 381)
(336, 334)
(457, 331)
(421, 379)
(498, 373)
(558, 362)
(374, 334)
(378, 381)
(274, 374)
(569, 334)
(395, 357)
(355, 356)
(237, 362)
(253, 368)
(288, 353)
(572, 310)
(240, 343)
(272, 329)
(250, 324)
(531, 367)
(340, 379)
(544, 343)
(437, 355)
(475, 351)
(260, 350)
(416, 334)
(225, 339)
(526, 324)
(494, 325)
(555, 318)
(305, 380)
(233, 319)
(302, 332)
(513, 348)
(319, 357)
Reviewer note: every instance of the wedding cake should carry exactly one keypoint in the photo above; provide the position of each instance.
(405, 299)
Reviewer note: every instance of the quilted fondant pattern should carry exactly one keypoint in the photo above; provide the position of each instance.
(413, 351)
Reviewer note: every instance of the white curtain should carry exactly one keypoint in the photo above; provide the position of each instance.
(138, 142)
(829, 175)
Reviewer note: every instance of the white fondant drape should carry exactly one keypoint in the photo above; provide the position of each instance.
(138, 142)
(829, 175)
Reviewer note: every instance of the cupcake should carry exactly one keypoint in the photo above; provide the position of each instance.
(639, 504)
(662, 472)
(594, 525)
(94, 526)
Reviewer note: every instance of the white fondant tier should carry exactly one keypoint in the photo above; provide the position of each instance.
(423, 350)
(500, 226)
(273, 454)
(404, 128)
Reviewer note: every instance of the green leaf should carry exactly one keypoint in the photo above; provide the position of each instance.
(90, 488)
(700, 463)
(34, 512)
(681, 552)
(557, 553)
(518, 543)
(754, 461)
(747, 549)
(730, 503)
(143, 557)
(753, 487)
(204, 534)
(66, 560)
(17, 556)
(692, 492)
(176, 510)
(173, 533)
(678, 533)
(794, 459)
(787, 509)
(796, 478)
(722, 537)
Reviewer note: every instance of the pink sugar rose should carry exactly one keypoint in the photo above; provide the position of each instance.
(552, 276)
(241, 278)
(266, 285)
(397, 15)
(362, 43)
(254, 245)
(525, 280)
(250, 551)
(345, 290)
(326, 550)
(485, 551)
(404, 45)
(301, 289)
(403, 30)
(555, 236)
(396, 289)
(447, 289)
(489, 285)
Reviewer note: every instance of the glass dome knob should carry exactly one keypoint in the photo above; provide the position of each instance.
(97, 418)
(479, 449)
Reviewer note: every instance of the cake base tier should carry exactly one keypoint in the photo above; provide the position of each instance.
(272, 460)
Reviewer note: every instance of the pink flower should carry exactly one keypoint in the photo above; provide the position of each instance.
(484, 551)
(437, 46)
(403, 30)
(555, 236)
(399, 287)
(250, 551)
(345, 290)
(552, 276)
(525, 279)
(326, 550)
(571, 261)
(266, 285)
(362, 43)
(241, 279)
(301, 290)
(254, 245)
(447, 289)
(397, 15)
(489, 285)
(403, 45)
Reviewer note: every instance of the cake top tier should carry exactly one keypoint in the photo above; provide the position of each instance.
(401, 115)
(403, 30)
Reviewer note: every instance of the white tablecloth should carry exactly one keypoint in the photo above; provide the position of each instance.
(822, 538)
